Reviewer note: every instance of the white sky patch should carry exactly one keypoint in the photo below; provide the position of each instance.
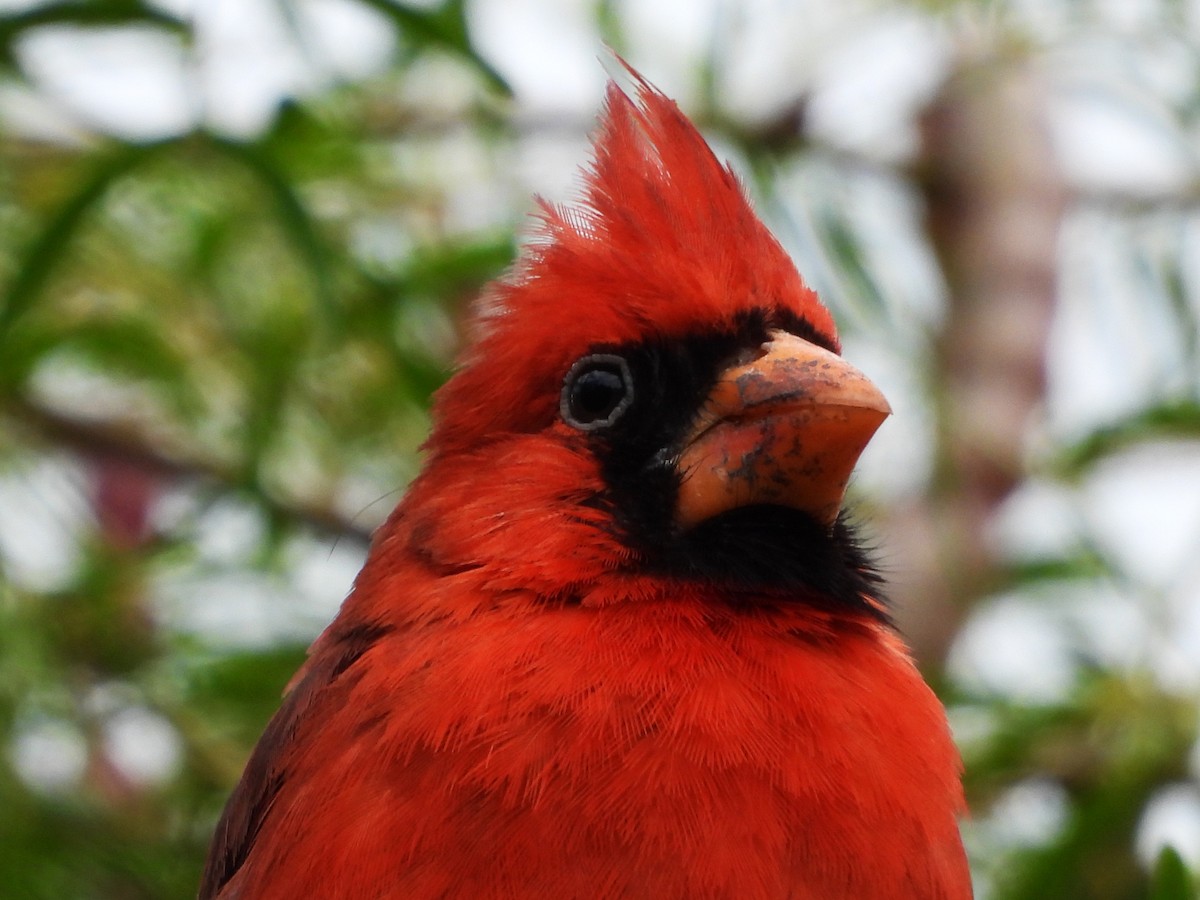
(142, 83)
(547, 50)
(1031, 813)
(1113, 348)
(232, 609)
(1013, 646)
(1105, 144)
(1037, 521)
(131, 82)
(228, 533)
(869, 88)
(16, 6)
(227, 603)
(32, 113)
(671, 39)
(249, 61)
(1111, 627)
(1048, 19)
(1144, 508)
(550, 165)
(443, 86)
(1129, 16)
(349, 39)
(43, 520)
(771, 53)
(143, 745)
(1178, 664)
(324, 573)
(1171, 819)
(49, 755)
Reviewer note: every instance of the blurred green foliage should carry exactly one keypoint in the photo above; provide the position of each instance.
(199, 305)
(212, 315)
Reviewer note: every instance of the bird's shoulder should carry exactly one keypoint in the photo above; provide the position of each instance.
(311, 693)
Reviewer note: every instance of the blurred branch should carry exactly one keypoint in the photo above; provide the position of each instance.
(129, 443)
(995, 199)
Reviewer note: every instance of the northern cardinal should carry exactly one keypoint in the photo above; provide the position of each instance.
(618, 640)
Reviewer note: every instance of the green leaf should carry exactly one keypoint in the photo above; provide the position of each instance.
(96, 14)
(49, 247)
(444, 270)
(1173, 419)
(293, 215)
(243, 688)
(444, 27)
(130, 347)
(1082, 564)
(1171, 879)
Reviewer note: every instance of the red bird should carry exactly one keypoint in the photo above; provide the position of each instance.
(618, 640)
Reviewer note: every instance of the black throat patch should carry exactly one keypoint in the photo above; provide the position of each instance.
(755, 554)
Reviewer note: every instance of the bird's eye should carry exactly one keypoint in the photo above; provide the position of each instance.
(596, 392)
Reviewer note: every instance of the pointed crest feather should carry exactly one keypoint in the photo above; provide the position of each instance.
(663, 243)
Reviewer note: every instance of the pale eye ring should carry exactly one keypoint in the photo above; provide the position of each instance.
(597, 391)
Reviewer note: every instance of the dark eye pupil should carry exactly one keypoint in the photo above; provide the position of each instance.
(597, 391)
(596, 394)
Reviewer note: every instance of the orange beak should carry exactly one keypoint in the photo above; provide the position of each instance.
(786, 428)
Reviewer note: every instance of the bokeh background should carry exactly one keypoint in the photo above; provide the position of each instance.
(237, 242)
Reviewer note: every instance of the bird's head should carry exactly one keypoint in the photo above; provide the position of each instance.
(652, 391)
